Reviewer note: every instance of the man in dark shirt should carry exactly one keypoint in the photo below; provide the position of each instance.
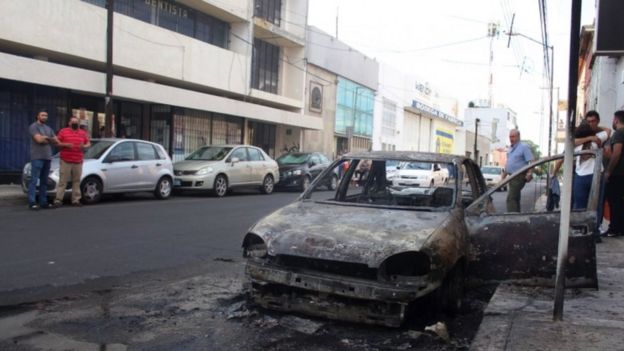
(41, 138)
(614, 176)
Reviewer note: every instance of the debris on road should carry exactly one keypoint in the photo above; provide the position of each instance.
(301, 325)
(440, 330)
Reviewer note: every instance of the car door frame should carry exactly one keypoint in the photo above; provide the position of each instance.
(238, 173)
(115, 171)
(523, 246)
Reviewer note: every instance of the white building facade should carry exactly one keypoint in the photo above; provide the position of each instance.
(186, 73)
(412, 115)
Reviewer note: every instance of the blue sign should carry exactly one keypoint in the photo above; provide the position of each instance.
(437, 113)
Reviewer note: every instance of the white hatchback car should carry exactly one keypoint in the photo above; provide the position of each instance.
(116, 166)
(493, 175)
(422, 174)
(221, 167)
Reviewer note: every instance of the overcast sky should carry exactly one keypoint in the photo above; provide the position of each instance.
(445, 42)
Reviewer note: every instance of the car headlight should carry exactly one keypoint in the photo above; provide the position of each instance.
(400, 267)
(27, 169)
(205, 170)
(254, 246)
(56, 172)
(297, 172)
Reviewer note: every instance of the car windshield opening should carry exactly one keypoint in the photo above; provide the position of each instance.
(404, 184)
(292, 159)
(209, 153)
(97, 149)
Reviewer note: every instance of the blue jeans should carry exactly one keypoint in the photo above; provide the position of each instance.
(601, 201)
(40, 169)
(580, 190)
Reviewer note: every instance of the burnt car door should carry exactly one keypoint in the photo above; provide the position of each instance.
(523, 245)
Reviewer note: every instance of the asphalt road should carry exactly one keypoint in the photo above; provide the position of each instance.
(135, 233)
(118, 236)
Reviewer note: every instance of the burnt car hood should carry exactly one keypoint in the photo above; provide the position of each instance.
(346, 233)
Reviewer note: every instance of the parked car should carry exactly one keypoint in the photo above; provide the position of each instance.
(366, 253)
(422, 174)
(218, 168)
(298, 169)
(113, 166)
(493, 175)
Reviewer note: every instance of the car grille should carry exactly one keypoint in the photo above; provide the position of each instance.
(356, 270)
(409, 177)
(180, 173)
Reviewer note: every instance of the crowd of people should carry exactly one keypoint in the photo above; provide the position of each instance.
(589, 135)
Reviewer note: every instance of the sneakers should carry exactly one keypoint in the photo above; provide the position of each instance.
(57, 204)
(34, 207)
(611, 234)
(77, 204)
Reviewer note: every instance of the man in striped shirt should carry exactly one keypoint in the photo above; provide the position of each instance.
(72, 142)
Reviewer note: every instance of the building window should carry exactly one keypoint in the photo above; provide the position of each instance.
(388, 121)
(175, 17)
(316, 97)
(354, 108)
(265, 66)
(270, 10)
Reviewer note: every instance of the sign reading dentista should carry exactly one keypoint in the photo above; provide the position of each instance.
(169, 7)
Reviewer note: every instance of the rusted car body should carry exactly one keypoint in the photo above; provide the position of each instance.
(365, 254)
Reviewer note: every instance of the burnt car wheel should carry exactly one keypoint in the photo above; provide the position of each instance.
(305, 183)
(267, 184)
(451, 292)
(220, 186)
(91, 190)
(333, 183)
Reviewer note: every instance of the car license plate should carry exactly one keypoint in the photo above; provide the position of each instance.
(177, 182)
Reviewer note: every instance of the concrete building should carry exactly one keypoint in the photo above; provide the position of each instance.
(601, 79)
(494, 124)
(483, 149)
(410, 114)
(341, 84)
(186, 73)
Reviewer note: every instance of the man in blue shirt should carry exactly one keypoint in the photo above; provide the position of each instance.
(518, 156)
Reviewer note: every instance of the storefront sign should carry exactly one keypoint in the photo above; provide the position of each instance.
(166, 6)
(444, 141)
(436, 113)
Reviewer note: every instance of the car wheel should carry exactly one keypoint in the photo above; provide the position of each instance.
(163, 188)
(220, 186)
(451, 292)
(267, 184)
(91, 190)
(333, 183)
(305, 183)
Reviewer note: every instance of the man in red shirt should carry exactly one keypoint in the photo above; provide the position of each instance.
(72, 142)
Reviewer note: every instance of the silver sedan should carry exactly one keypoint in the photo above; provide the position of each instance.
(218, 168)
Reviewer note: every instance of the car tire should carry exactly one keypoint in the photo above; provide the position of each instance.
(333, 183)
(267, 184)
(305, 183)
(451, 292)
(91, 189)
(220, 186)
(164, 187)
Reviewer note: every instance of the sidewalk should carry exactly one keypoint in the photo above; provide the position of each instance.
(11, 191)
(520, 318)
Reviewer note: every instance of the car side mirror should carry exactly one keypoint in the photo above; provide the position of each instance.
(234, 160)
(436, 168)
(311, 164)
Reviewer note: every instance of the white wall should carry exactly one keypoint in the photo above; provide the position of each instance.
(390, 89)
(76, 30)
(325, 51)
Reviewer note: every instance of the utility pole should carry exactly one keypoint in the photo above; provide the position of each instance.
(492, 33)
(568, 159)
(108, 99)
(476, 152)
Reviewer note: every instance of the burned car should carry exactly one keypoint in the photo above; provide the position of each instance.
(366, 251)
